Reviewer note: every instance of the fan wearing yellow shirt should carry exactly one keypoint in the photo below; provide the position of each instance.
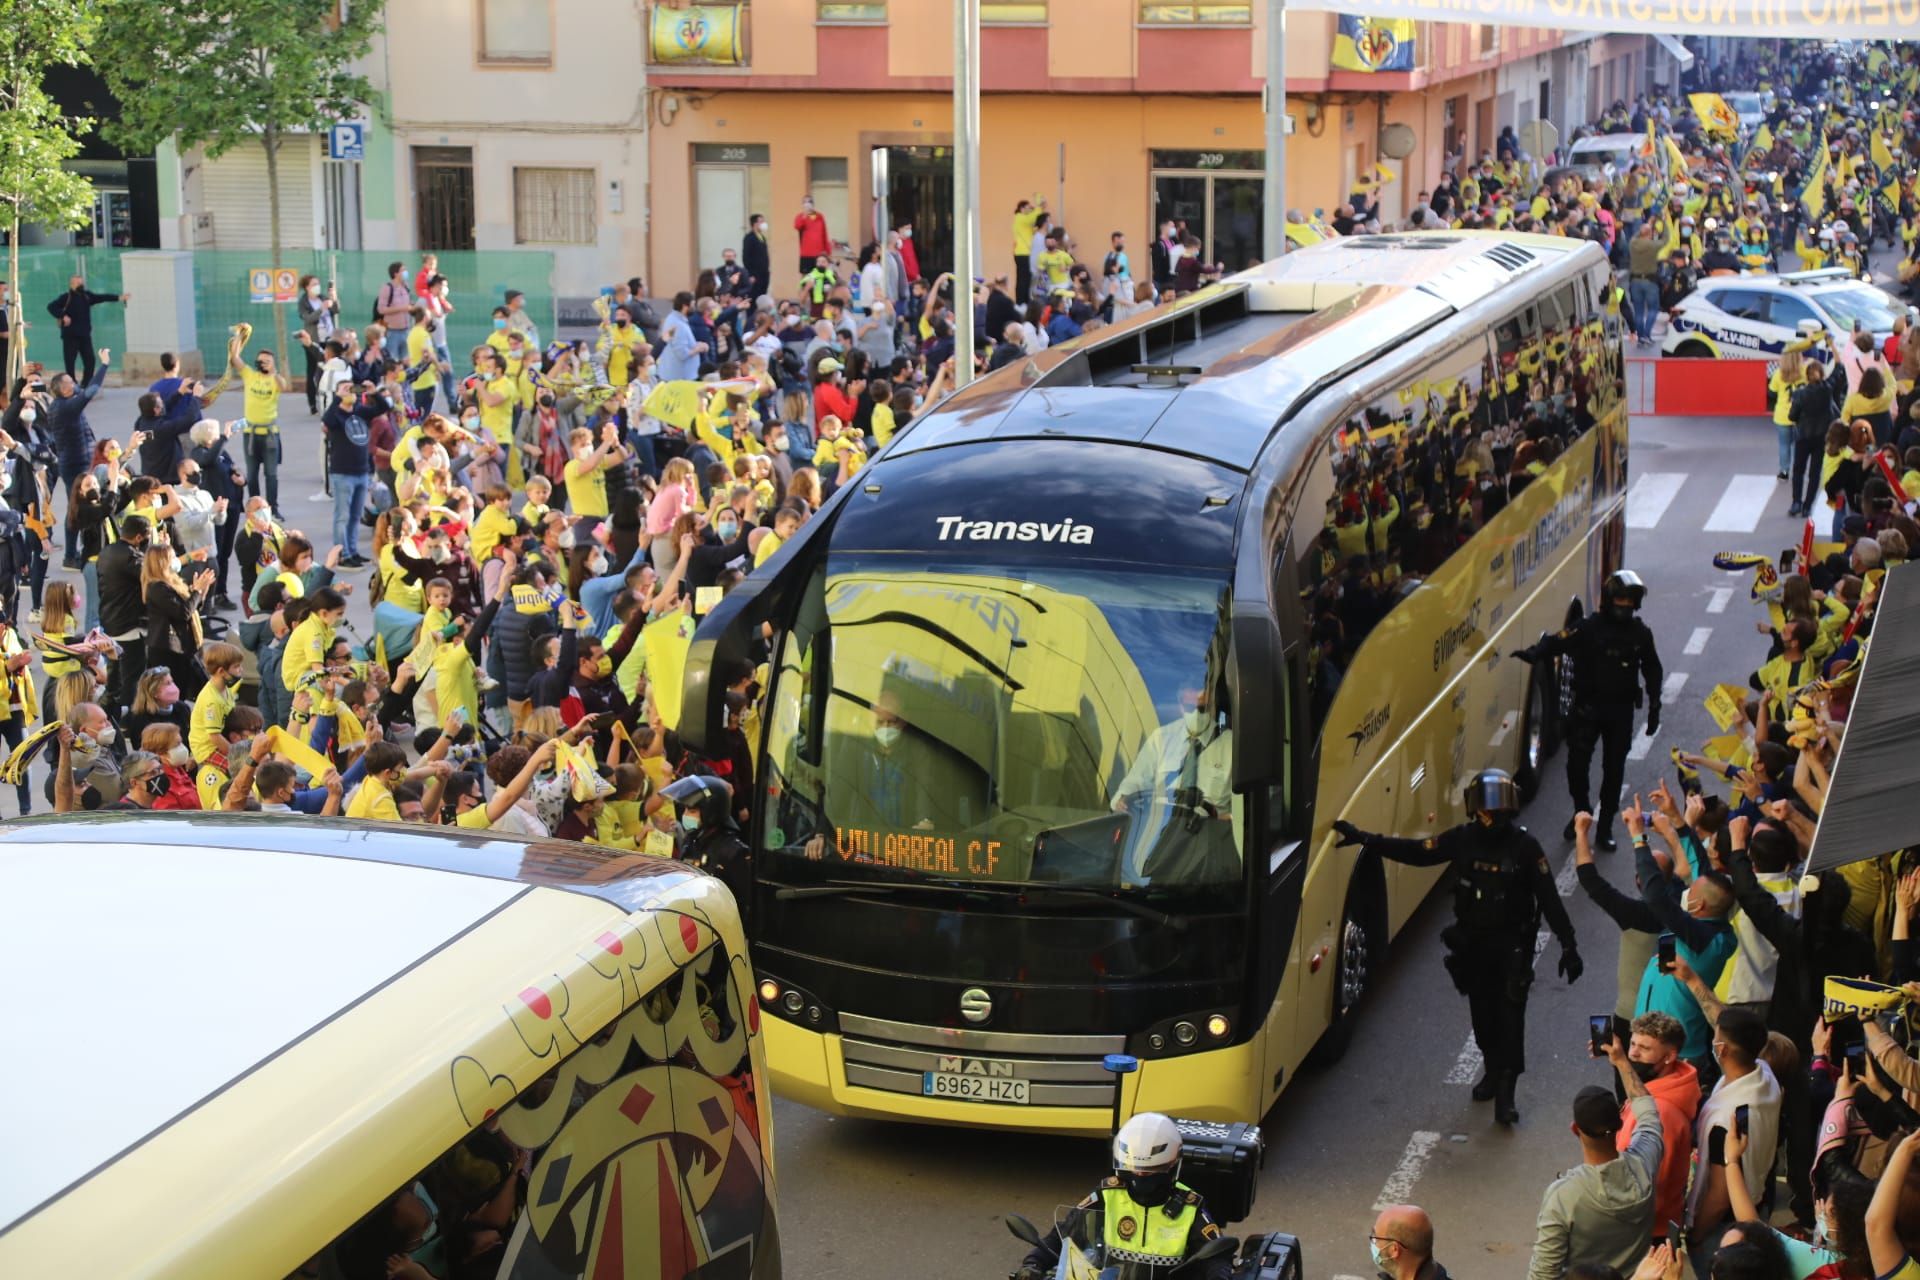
(498, 392)
(419, 353)
(494, 524)
(465, 805)
(218, 697)
(386, 770)
(785, 522)
(539, 493)
(262, 421)
(585, 472)
(881, 424)
(313, 618)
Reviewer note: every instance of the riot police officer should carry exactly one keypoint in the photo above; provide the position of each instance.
(1501, 888)
(1612, 653)
(1142, 1214)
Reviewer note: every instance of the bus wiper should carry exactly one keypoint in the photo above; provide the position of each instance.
(838, 888)
(1079, 893)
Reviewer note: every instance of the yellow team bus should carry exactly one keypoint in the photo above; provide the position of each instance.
(1068, 685)
(266, 1047)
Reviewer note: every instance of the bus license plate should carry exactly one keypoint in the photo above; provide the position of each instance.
(952, 1084)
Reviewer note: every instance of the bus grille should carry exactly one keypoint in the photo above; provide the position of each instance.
(1062, 1071)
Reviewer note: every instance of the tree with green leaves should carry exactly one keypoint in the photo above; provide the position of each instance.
(218, 74)
(36, 138)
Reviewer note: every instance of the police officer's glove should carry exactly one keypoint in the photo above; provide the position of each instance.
(1348, 833)
(1571, 965)
(1525, 655)
(1653, 717)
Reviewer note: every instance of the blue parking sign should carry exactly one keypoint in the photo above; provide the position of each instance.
(347, 141)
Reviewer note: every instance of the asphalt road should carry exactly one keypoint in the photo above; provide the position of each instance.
(861, 1198)
(1393, 1118)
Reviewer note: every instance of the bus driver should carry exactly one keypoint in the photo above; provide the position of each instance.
(1182, 772)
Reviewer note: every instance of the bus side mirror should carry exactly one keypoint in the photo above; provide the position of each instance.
(1259, 699)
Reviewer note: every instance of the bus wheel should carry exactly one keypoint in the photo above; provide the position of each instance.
(1539, 734)
(1361, 940)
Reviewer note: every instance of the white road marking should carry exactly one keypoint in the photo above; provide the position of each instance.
(1569, 877)
(1718, 603)
(1742, 504)
(1641, 746)
(1697, 642)
(1650, 497)
(1466, 1067)
(1675, 682)
(1399, 1186)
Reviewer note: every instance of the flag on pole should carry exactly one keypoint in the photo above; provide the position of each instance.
(1716, 117)
(1676, 159)
(1882, 156)
(1813, 196)
(1373, 44)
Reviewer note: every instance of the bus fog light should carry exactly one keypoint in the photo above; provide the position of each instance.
(1217, 1026)
(1156, 1041)
(1186, 1033)
(813, 1014)
(769, 990)
(793, 1002)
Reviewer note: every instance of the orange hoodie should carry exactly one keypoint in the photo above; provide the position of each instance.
(1676, 1094)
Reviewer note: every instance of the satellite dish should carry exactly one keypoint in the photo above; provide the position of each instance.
(1539, 138)
(1397, 141)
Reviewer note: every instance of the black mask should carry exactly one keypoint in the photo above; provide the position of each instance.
(1620, 612)
(1645, 1070)
(158, 784)
(1149, 1189)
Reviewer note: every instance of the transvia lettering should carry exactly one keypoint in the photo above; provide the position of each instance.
(961, 529)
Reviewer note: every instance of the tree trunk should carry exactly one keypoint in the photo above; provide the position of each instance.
(270, 138)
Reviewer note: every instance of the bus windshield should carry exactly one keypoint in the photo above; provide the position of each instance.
(991, 725)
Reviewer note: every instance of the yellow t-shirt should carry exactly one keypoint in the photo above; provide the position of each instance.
(263, 397)
(498, 418)
(209, 718)
(474, 819)
(489, 529)
(620, 340)
(1058, 265)
(373, 800)
(306, 649)
(418, 347)
(408, 443)
(768, 545)
(620, 824)
(211, 782)
(882, 425)
(587, 486)
(396, 589)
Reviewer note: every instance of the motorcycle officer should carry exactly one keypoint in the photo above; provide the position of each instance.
(1144, 1215)
(1609, 649)
(1501, 888)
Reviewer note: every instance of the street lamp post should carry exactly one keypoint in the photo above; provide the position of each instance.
(966, 181)
(1273, 222)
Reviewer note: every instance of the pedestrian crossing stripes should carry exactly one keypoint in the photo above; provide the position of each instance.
(1742, 504)
(1652, 493)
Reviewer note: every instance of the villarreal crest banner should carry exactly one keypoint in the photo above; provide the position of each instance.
(1373, 44)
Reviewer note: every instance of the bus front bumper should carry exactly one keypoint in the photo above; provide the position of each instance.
(1220, 1084)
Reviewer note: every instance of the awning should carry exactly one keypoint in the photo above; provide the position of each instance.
(1870, 807)
(1673, 46)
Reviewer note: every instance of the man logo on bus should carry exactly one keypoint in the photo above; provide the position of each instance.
(961, 529)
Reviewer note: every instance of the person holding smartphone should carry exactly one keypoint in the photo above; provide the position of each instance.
(1602, 1210)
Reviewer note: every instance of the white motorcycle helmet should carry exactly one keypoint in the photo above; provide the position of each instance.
(1146, 1157)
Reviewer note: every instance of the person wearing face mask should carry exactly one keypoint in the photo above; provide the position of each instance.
(1501, 890)
(350, 464)
(88, 774)
(1600, 1212)
(1653, 1055)
(1613, 655)
(1142, 1214)
(1401, 1244)
(1181, 773)
(726, 544)
(147, 783)
(262, 422)
(162, 742)
(123, 610)
(708, 836)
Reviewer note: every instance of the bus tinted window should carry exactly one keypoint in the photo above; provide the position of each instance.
(643, 1145)
(989, 724)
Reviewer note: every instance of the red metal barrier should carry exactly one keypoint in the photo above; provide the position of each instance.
(1711, 388)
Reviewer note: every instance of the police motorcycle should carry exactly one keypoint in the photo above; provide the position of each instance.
(1149, 1221)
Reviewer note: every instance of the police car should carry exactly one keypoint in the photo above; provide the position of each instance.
(1753, 317)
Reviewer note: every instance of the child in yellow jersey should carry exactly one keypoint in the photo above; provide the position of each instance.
(495, 523)
(539, 494)
(306, 652)
(620, 824)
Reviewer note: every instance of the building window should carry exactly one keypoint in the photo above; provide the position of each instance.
(1013, 13)
(516, 31)
(1206, 13)
(1489, 38)
(871, 11)
(553, 206)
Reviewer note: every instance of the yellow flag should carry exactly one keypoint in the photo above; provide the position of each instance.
(1676, 159)
(674, 403)
(1891, 194)
(1716, 117)
(667, 640)
(1726, 704)
(284, 743)
(1383, 173)
(1813, 197)
(1882, 157)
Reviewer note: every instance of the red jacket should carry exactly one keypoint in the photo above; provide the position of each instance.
(910, 259)
(1676, 1094)
(814, 238)
(830, 399)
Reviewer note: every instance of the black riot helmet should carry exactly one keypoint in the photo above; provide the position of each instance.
(703, 798)
(1625, 584)
(1492, 792)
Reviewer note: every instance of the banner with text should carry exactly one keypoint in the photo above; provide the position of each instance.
(1811, 19)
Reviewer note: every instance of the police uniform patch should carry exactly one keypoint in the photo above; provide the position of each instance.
(1126, 1227)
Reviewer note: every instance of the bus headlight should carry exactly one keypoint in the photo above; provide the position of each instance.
(1185, 1033)
(1199, 1031)
(1217, 1026)
(769, 990)
(794, 1002)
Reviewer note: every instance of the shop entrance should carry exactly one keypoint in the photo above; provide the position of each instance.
(918, 187)
(1218, 195)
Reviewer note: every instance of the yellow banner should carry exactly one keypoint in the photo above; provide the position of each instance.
(1813, 197)
(711, 33)
(1802, 19)
(302, 755)
(674, 403)
(1727, 705)
(1882, 155)
(667, 640)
